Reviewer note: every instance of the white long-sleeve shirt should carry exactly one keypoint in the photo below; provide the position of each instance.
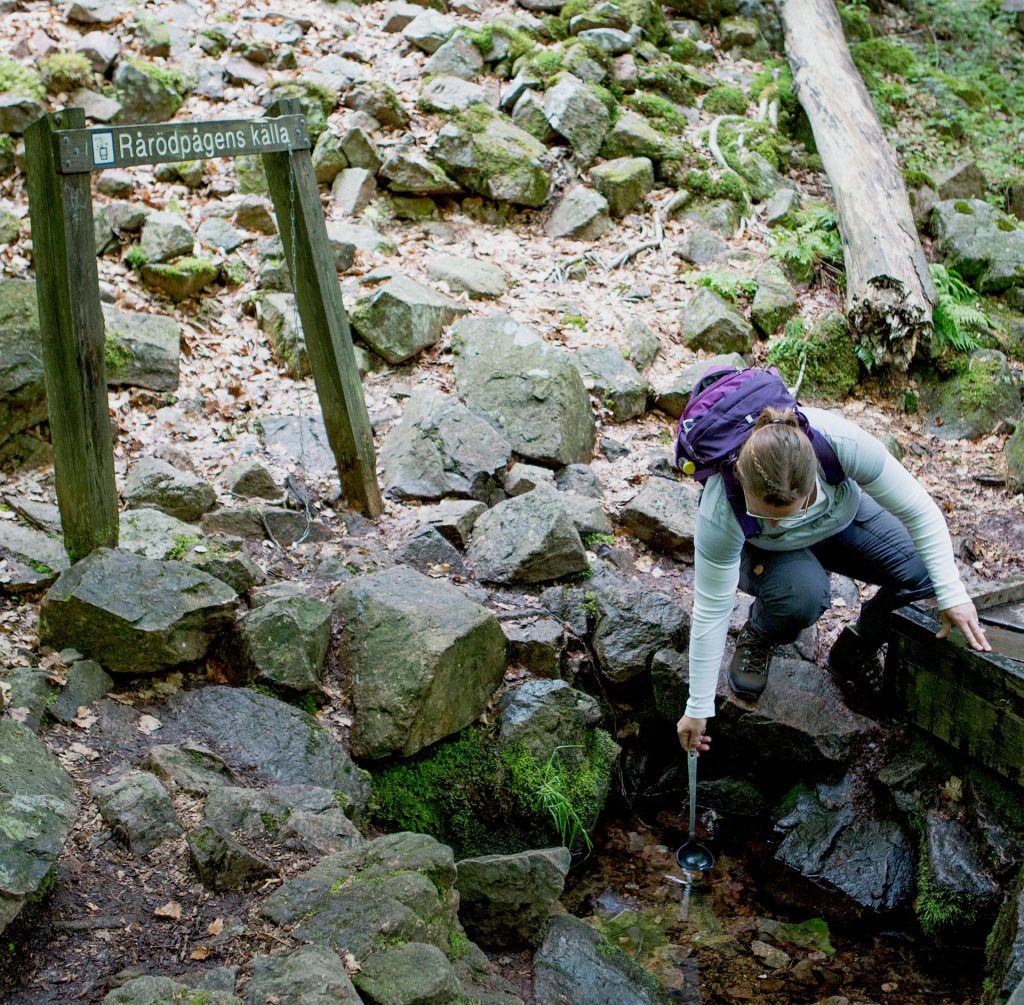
(719, 541)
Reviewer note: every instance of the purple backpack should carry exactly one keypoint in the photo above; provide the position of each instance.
(718, 418)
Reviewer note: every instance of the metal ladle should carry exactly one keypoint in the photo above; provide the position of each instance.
(693, 857)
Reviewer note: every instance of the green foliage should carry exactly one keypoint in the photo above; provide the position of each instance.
(825, 355)
(729, 186)
(167, 77)
(957, 315)
(591, 539)
(576, 320)
(182, 544)
(590, 603)
(884, 56)
(135, 258)
(725, 100)
(855, 18)
(65, 71)
(20, 80)
(482, 800)
(542, 63)
(809, 243)
(730, 285)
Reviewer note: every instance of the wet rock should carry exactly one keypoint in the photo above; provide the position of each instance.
(663, 514)
(153, 534)
(576, 112)
(955, 865)
(135, 615)
(286, 642)
(542, 715)
(155, 484)
(506, 900)
(440, 448)
(402, 317)
(1005, 962)
(634, 623)
(576, 964)
(481, 280)
(138, 810)
(844, 849)
(710, 323)
(164, 991)
(614, 381)
(29, 559)
(426, 660)
(458, 57)
(527, 389)
(142, 349)
(38, 807)
(453, 519)
(536, 645)
(985, 245)
(528, 539)
(412, 173)
(582, 213)
(271, 739)
(312, 975)
(623, 182)
(86, 682)
(488, 154)
(970, 404)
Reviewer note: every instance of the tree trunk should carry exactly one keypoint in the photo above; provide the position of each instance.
(889, 289)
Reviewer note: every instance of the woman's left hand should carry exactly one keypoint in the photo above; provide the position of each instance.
(964, 617)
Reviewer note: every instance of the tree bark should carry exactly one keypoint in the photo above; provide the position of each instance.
(889, 289)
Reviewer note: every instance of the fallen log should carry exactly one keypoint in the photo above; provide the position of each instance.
(889, 289)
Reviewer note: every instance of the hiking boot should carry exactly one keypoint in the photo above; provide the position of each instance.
(748, 671)
(856, 666)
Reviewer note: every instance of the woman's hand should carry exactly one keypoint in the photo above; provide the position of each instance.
(964, 617)
(691, 734)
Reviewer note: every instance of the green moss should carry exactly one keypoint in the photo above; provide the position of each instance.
(556, 27)
(172, 79)
(725, 100)
(1005, 801)
(20, 80)
(575, 7)
(962, 206)
(577, 50)
(542, 63)
(788, 802)
(917, 179)
(591, 539)
(668, 78)
(234, 270)
(608, 99)
(883, 55)
(116, 355)
(135, 258)
(479, 800)
(576, 320)
(977, 381)
(729, 186)
(182, 544)
(855, 20)
(662, 114)
(590, 603)
(685, 50)
(941, 913)
(825, 355)
(458, 945)
(317, 100)
(65, 71)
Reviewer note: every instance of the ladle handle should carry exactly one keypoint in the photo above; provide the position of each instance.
(692, 768)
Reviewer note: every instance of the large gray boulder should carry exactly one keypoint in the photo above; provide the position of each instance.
(972, 403)
(633, 624)
(286, 642)
(528, 539)
(135, 615)
(488, 154)
(153, 483)
(481, 280)
(312, 975)
(38, 809)
(577, 966)
(276, 742)
(402, 317)
(663, 514)
(576, 112)
(529, 390)
(846, 850)
(164, 991)
(410, 173)
(151, 533)
(985, 245)
(425, 660)
(711, 324)
(542, 716)
(138, 810)
(165, 236)
(142, 349)
(146, 94)
(440, 448)
(506, 900)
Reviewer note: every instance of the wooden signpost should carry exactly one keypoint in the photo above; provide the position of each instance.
(62, 153)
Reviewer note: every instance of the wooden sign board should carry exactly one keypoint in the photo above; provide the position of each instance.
(974, 701)
(84, 150)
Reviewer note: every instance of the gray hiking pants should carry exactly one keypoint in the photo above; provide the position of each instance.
(791, 588)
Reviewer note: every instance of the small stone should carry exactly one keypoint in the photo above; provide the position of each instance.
(218, 233)
(86, 682)
(397, 16)
(770, 956)
(576, 112)
(522, 478)
(100, 48)
(156, 484)
(965, 181)
(412, 173)
(286, 642)
(453, 519)
(254, 213)
(328, 157)
(528, 115)
(359, 148)
(781, 206)
(481, 280)
(165, 236)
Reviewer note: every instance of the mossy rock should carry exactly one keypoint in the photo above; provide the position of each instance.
(969, 405)
(20, 81)
(65, 71)
(181, 279)
(725, 100)
(832, 368)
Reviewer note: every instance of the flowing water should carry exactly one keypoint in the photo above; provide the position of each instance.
(715, 938)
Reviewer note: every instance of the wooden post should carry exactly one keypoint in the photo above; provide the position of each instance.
(324, 322)
(71, 323)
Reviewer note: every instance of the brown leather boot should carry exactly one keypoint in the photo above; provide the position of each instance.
(748, 671)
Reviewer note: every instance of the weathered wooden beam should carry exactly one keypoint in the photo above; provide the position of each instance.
(889, 289)
(300, 219)
(71, 324)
